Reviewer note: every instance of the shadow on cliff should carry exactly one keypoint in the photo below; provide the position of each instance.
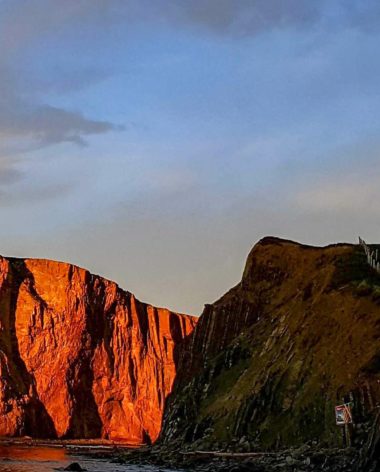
(85, 421)
(186, 363)
(36, 422)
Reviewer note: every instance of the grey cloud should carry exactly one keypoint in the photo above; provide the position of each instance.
(35, 194)
(9, 174)
(248, 16)
(28, 126)
(45, 124)
(236, 17)
(54, 125)
(251, 17)
(25, 121)
(25, 20)
(23, 116)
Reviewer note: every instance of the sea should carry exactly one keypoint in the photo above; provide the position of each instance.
(16, 458)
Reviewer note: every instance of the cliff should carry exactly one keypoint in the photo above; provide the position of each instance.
(81, 358)
(267, 363)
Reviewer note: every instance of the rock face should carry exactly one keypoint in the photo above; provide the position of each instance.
(81, 358)
(268, 362)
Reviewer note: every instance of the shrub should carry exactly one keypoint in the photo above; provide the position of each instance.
(364, 289)
(376, 294)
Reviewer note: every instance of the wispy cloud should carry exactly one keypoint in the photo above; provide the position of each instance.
(9, 174)
(33, 194)
(26, 116)
(27, 120)
(245, 17)
(45, 124)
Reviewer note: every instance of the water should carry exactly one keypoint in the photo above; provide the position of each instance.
(49, 459)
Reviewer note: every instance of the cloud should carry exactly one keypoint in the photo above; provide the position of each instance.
(246, 17)
(33, 194)
(27, 120)
(26, 21)
(251, 17)
(8, 173)
(45, 124)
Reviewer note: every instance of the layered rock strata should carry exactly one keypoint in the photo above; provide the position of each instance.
(268, 362)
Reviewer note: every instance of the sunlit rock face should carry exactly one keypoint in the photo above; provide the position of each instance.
(81, 358)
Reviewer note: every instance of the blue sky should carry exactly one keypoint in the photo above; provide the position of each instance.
(155, 141)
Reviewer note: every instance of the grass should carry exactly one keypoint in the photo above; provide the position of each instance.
(353, 269)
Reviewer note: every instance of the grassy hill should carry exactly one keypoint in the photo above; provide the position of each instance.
(269, 361)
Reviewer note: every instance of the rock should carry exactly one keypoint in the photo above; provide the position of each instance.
(75, 467)
(81, 358)
(290, 460)
(268, 352)
(244, 467)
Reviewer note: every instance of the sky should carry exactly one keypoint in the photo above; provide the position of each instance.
(154, 142)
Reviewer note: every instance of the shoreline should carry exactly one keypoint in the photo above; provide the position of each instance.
(303, 459)
(83, 445)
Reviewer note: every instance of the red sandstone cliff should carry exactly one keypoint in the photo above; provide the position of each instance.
(81, 358)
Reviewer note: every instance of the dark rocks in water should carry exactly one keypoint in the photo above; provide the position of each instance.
(75, 467)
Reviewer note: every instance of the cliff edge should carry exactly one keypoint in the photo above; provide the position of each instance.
(81, 358)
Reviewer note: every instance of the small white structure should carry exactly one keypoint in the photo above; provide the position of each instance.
(372, 256)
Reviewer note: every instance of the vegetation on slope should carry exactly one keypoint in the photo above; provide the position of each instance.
(269, 361)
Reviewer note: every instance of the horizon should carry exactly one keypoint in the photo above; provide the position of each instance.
(154, 143)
